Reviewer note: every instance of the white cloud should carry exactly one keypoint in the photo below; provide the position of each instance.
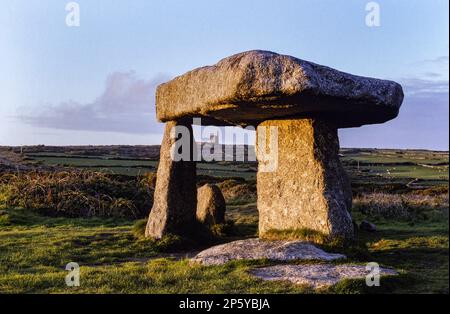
(127, 105)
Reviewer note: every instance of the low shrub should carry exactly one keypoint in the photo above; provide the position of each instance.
(238, 192)
(78, 193)
(409, 206)
(222, 230)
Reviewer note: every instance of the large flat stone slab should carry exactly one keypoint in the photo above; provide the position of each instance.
(316, 275)
(251, 249)
(253, 86)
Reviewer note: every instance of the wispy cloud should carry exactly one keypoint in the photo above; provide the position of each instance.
(424, 87)
(429, 87)
(436, 68)
(423, 120)
(126, 105)
(442, 60)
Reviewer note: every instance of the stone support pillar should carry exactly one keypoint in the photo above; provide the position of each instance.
(309, 188)
(175, 198)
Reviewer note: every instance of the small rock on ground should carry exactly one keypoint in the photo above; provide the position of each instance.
(259, 249)
(316, 275)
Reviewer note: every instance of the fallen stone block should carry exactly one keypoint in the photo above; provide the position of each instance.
(252, 249)
(317, 275)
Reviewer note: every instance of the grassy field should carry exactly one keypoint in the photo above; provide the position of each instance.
(135, 167)
(35, 249)
(405, 193)
(430, 167)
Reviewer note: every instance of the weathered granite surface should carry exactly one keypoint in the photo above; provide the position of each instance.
(309, 189)
(175, 197)
(253, 86)
(259, 249)
(316, 275)
(210, 205)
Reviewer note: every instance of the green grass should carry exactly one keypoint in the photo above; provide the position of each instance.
(35, 249)
(382, 163)
(29, 240)
(133, 167)
(155, 276)
(94, 162)
(419, 172)
(394, 156)
(421, 250)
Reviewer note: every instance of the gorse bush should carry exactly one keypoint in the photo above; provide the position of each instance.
(238, 191)
(78, 193)
(408, 206)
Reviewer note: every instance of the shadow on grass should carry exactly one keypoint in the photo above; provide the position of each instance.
(30, 218)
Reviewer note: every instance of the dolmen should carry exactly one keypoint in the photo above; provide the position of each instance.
(303, 105)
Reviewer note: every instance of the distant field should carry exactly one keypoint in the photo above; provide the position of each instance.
(403, 166)
(139, 166)
(395, 156)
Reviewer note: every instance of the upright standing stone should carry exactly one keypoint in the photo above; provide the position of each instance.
(211, 205)
(175, 198)
(309, 189)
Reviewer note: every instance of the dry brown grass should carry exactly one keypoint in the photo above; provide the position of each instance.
(406, 206)
(236, 192)
(78, 193)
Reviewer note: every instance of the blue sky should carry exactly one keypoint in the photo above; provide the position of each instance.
(94, 84)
